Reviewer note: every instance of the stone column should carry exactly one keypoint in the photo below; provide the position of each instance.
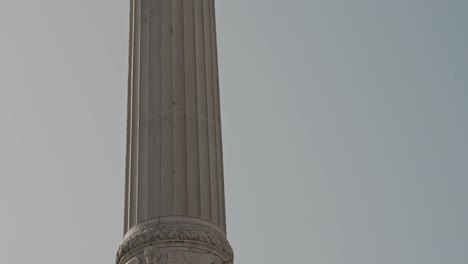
(174, 195)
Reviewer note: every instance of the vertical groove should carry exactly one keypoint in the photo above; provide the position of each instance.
(210, 117)
(184, 81)
(135, 117)
(205, 118)
(197, 99)
(150, 191)
(193, 176)
(161, 115)
(219, 148)
(205, 197)
(154, 174)
(178, 78)
(143, 113)
(149, 146)
(197, 102)
(129, 123)
(138, 116)
(167, 179)
(215, 121)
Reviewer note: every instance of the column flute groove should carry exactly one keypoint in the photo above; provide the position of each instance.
(135, 116)
(178, 75)
(205, 187)
(160, 105)
(167, 145)
(193, 176)
(143, 112)
(129, 107)
(154, 125)
(211, 115)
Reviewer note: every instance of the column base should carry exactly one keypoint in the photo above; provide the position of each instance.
(175, 240)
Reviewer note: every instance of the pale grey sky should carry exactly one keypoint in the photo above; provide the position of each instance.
(344, 124)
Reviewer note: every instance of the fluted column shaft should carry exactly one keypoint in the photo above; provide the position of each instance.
(174, 154)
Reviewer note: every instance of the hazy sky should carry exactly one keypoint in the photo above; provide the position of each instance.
(345, 128)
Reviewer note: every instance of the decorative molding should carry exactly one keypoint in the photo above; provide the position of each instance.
(167, 232)
(134, 261)
(152, 255)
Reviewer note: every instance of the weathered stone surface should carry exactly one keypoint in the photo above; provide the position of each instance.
(181, 231)
(176, 255)
(174, 195)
